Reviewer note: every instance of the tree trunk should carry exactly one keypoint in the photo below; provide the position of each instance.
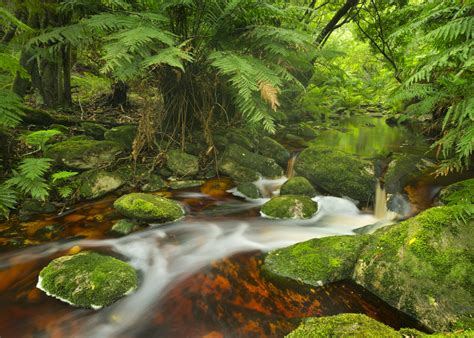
(120, 95)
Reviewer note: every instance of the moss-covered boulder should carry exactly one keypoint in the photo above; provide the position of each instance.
(97, 183)
(298, 186)
(124, 227)
(149, 207)
(32, 207)
(244, 166)
(458, 193)
(185, 184)
(238, 137)
(290, 206)
(315, 262)
(336, 172)
(84, 154)
(182, 164)
(402, 170)
(88, 279)
(94, 130)
(343, 325)
(124, 135)
(249, 190)
(270, 148)
(153, 183)
(423, 266)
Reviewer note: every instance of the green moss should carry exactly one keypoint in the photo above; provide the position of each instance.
(343, 325)
(317, 261)
(422, 266)
(153, 183)
(124, 135)
(290, 206)
(270, 148)
(97, 183)
(124, 226)
(185, 184)
(249, 190)
(338, 173)
(238, 137)
(182, 164)
(237, 159)
(94, 130)
(298, 186)
(458, 193)
(149, 207)
(84, 154)
(402, 171)
(88, 279)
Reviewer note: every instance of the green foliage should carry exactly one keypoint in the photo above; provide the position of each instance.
(41, 137)
(62, 182)
(10, 109)
(7, 200)
(29, 179)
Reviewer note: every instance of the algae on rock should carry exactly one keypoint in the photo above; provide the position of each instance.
(149, 207)
(249, 190)
(97, 183)
(182, 164)
(298, 186)
(290, 206)
(88, 279)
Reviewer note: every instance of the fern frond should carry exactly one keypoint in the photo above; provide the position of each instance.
(11, 109)
(34, 168)
(7, 200)
(41, 137)
(63, 175)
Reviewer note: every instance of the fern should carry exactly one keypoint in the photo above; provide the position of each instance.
(29, 178)
(11, 109)
(7, 200)
(41, 137)
(63, 175)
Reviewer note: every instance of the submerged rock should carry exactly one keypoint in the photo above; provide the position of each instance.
(148, 207)
(182, 164)
(249, 190)
(423, 266)
(458, 193)
(185, 184)
(84, 154)
(315, 262)
(88, 279)
(298, 186)
(124, 226)
(32, 207)
(270, 148)
(338, 173)
(124, 135)
(290, 206)
(97, 183)
(244, 166)
(344, 325)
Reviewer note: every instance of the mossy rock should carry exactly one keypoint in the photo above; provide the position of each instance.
(125, 226)
(423, 266)
(88, 279)
(336, 172)
(458, 193)
(186, 184)
(402, 171)
(125, 135)
(153, 183)
(97, 183)
(182, 164)
(290, 206)
(315, 262)
(242, 140)
(270, 148)
(94, 130)
(148, 207)
(343, 325)
(84, 154)
(298, 186)
(249, 190)
(242, 165)
(32, 207)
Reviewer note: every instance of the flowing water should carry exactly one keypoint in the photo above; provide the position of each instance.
(199, 277)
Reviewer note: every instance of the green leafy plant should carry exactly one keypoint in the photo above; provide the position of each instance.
(62, 182)
(8, 200)
(30, 180)
(41, 137)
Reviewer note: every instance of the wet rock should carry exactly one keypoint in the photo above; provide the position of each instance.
(298, 186)
(244, 166)
(270, 148)
(97, 183)
(240, 139)
(302, 130)
(402, 171)
(94, 130)
(153, 183)
(290, 206)
(124, 227)
(458, 193)
(124, 135)
(338, 173)
(50, 232)
(148, 207)
(315, 262)
(249, 190)
(185, 184)
(423, 266)
(88, 279)
(32, 207)
(344, 325)
(182, 164)
(84, 154)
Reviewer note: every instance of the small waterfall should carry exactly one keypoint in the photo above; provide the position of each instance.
(290, 169)
(380, 209)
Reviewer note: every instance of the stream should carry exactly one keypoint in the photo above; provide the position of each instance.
(200, 276)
